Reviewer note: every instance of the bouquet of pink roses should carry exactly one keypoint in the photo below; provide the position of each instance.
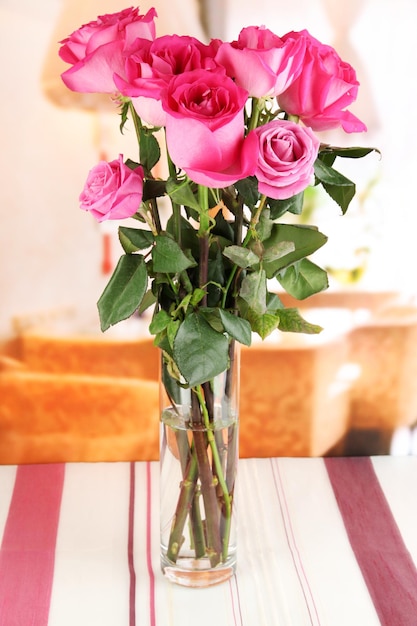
(240, 121)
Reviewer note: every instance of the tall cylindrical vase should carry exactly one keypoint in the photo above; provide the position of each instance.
(198, 467)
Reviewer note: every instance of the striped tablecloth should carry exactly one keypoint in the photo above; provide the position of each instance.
(321, 542)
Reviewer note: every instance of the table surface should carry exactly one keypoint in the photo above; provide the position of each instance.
(320, 542)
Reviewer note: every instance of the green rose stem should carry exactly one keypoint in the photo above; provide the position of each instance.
(208, 483)
(227, 502)
(190, 475)
(176, 208)
(137, 123)
(195, 459)
(251, 234)
(184, 505)
(208, 478)
(232, 441)
(256, 110)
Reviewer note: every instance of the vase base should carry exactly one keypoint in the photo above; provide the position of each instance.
(196, 572)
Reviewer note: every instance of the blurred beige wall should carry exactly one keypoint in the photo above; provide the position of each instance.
(50, 252)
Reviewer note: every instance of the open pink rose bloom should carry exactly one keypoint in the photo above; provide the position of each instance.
(323, 89)
(112, 190)
(205, 128)
(208, 96)
(286, 158)
(97, 50)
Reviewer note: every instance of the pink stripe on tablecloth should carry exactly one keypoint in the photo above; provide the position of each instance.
(130, 543)
(27, 553)
(385, 562)
(235, 598)
(292, 544)
(152, 614)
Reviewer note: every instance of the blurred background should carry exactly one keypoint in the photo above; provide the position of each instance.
(51, 253)
(55, 260)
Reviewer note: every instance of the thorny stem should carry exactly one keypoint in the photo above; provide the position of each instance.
(227, 503)
(136, 121)
(249, 236)
(189, 474)
(155, 215)
(208, 487)
(184, 504)
(204, 257)
(176, 208)
(195, 459)
(152, 202)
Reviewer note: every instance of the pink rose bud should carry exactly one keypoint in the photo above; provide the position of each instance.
(112, 190)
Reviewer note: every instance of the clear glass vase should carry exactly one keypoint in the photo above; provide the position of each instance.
(198, 467)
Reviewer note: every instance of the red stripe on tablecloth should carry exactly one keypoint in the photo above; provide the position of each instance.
(130, 541)
(27, 553)
(385, 562)
(151, 573)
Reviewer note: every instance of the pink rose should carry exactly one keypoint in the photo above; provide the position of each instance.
(205, 128)
(261, 62)
(324, 88)
(112, 190)
(287, 152)
(95, 50)
(150, 65)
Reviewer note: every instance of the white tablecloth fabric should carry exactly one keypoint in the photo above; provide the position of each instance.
(296, 566)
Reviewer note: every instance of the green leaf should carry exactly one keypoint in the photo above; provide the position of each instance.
(212, 315)
(339, 188)
(170, 376)
(181, 193)
(264, 226)
(263, 324)
(150, 152)
(159, 322)
(215, 277)
(224, 321)
(242, 257)
(133, 239)
(291, 321)
(199, 351)
(172, 330)
(236, 327)
(306, 240)
(124, 291)
(184, 304)
(303, 279)
(197, 295)
(253, 291)
(277, 251)
(189, 238)
(248, 189)
(292, 205)
(168, 258)
(123, 115)
(354, 152)
(273, 303)
(148, 300)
